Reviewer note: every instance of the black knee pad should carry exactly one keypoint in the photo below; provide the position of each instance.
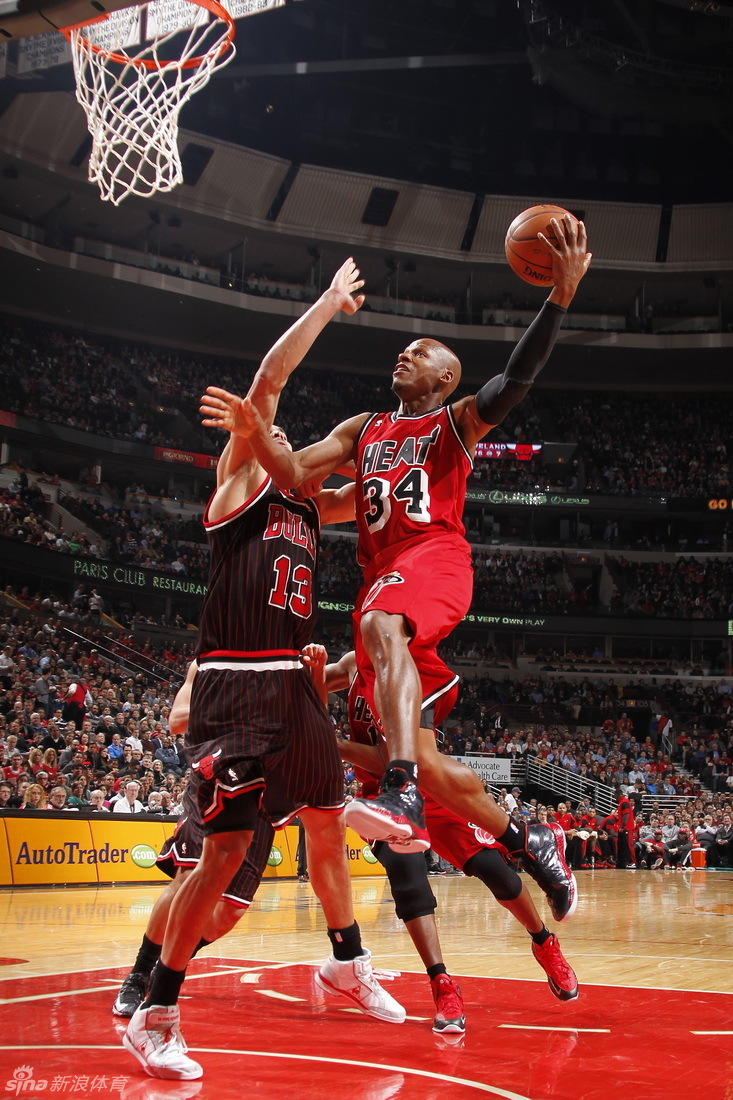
(493, 870)
(408, 881)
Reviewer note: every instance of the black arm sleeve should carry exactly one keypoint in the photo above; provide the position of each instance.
(501, 393)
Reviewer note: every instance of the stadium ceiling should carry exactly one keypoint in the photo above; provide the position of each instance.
(628, 100)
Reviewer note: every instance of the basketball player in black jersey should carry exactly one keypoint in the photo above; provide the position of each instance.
(411, 466)
(257, 722)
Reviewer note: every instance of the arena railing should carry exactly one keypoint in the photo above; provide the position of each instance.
(571, 786)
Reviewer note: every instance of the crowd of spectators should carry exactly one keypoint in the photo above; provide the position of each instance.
(687, 588)
(130, 537)
(650, 445)
(80, 713)
(647, 445)
(70, 378)
(652, 840)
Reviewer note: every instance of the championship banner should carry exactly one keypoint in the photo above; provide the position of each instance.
(496, 770)
(238, 9)
(42, 51)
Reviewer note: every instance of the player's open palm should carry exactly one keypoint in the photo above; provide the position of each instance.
(221, 409)
(346, 282)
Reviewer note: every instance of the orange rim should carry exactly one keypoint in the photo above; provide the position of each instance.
(147, 63)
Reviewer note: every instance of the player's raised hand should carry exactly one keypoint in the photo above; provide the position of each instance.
(569, 250)
(221, 409)
(345, 283)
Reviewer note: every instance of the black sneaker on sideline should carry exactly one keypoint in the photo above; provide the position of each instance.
(544, 859)
(131, 995)
(395, 815)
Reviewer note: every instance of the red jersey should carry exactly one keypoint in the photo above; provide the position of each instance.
(625, 814)
(410, 481)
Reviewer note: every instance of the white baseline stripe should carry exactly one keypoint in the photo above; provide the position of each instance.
(50, 996)
(405, 970)
(585, 1030)
(223, 972)
(493, 1090)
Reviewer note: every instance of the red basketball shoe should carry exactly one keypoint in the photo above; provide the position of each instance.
(560, 975)
(395, 815)
(451, 1016)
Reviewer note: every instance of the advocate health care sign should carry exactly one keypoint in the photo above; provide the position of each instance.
(496, 770)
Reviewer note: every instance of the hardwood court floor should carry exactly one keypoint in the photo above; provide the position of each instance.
(653, 952)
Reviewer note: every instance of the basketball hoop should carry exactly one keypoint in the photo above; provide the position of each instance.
(134, 70)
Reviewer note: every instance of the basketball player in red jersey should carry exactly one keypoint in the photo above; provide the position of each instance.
(258, 724)
(626, 858)
(474, 851)
(411, 468)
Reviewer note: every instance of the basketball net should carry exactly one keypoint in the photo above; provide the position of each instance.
(132, 90)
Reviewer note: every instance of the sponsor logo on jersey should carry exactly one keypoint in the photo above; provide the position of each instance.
(388, 578)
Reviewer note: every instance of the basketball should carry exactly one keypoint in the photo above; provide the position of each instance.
(528, 257)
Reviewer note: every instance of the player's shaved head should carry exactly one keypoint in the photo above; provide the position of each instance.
(450, 361)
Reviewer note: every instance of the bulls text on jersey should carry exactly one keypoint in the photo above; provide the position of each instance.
(284, 524)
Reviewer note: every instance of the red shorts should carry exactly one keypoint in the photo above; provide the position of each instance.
(452, 838)
(431, 584)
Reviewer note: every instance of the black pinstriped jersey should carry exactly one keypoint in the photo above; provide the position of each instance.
(262, 580)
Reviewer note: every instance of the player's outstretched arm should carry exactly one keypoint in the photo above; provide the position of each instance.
(292, 347)
(336, 505)
(476, 415)
(290, 469)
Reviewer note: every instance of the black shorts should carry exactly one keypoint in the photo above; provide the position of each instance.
(183, 849)
(260, 737)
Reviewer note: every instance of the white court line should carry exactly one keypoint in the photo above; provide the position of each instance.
(277, 996)
(225, 968)
(598, 985)
(50, 996)
(493, 1090)
(599, 955)
(53, 973)
(711, 1033)
(221, 973)
(584, 1030)
(358, 1012)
